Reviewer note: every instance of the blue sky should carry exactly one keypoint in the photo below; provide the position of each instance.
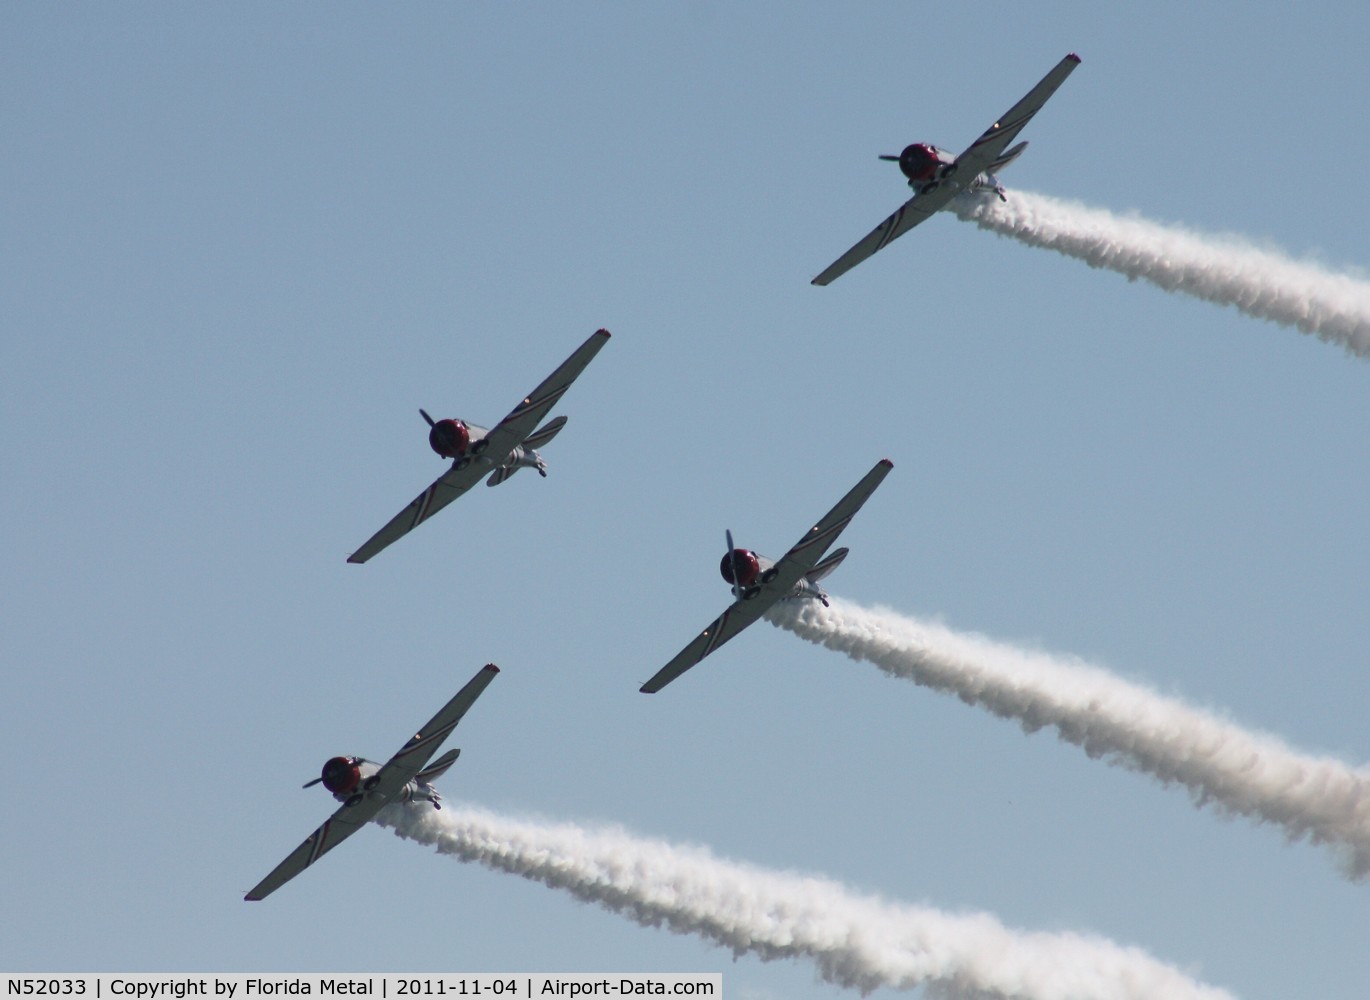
(244, 244)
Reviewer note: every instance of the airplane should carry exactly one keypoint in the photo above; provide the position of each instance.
(365, 788)
(475, 451)
(937, 177)
(758, 583)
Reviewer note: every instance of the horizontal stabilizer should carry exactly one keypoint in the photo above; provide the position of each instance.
(545, 433)
(1007, 158)
(501, 474)
(826, 566)
(439, 767)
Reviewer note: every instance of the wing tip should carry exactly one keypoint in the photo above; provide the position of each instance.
(886, 463)
(601, 332)
(490, 668)
(1073, 57)
(353, 559)
(647, 689)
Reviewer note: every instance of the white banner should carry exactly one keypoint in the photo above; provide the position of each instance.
(256, 985)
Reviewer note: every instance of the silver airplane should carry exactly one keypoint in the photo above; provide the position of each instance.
(511, 445)
(937, 176)
(758, 583)
(365, 788)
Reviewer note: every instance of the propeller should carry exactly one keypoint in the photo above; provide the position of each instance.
(886, 156)
(732, 559)
(311, 784)
(424, 413)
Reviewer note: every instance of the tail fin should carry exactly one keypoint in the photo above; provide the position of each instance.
(826, 566)
(438, 768)
(544, 434)
(1006, 158)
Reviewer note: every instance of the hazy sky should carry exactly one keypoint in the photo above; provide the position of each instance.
(245, 243)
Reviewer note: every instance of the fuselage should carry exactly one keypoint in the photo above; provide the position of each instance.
(923, 162)
(349, 779)
(461, 441)
(928, 167)
(754, 569)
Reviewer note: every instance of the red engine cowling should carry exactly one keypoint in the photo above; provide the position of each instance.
(919, 162)
(748, 567)
(449, 438)
(341, 775)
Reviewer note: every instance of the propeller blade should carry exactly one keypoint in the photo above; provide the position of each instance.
(732, 559)
(886, 156)
(424, 413)
(311, 784)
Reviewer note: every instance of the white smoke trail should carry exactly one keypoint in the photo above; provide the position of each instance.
(1222, 269)
(1245, 773)
(856, 941)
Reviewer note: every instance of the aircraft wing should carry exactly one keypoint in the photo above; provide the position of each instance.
(494, 449)
(410, 759)
(806, 552)
(446, 488)
(782, 579)
(986, 149)
(510, 432)
(343, 823)
(905, 217)
(720, 630)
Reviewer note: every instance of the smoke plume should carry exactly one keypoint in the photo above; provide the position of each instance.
(858, 942)
(1241, 772)
(1222, 269)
